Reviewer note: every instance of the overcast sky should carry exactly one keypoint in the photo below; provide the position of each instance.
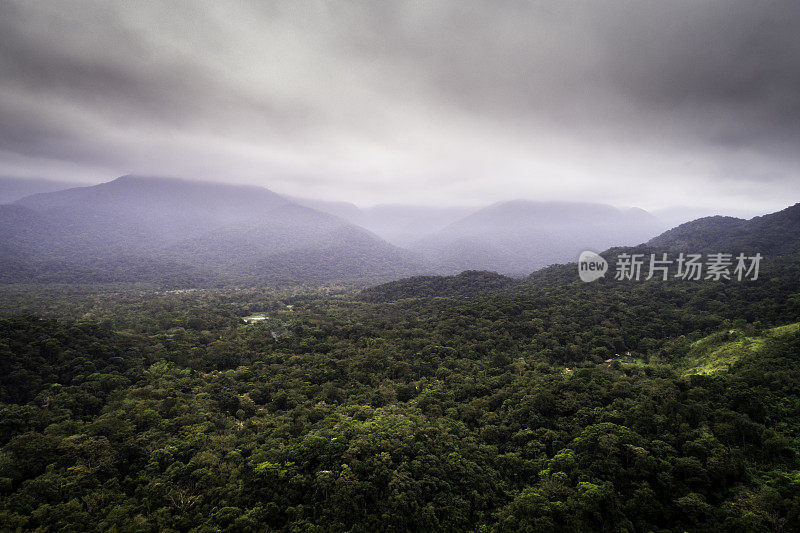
(652, 104)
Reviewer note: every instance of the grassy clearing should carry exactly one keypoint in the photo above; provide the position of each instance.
(719, 351)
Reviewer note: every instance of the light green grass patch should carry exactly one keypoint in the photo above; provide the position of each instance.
(719, 351)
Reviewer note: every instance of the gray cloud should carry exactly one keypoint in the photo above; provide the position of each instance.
(646, 103)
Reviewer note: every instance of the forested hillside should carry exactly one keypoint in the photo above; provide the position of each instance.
(549, 404)
(468, 283)
(474, 402)
(776, 234)
(182, 234)
(179, 233)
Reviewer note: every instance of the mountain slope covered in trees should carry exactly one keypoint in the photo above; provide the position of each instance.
(546, 404)
(773, 234)
(153, 229)
(181, 233)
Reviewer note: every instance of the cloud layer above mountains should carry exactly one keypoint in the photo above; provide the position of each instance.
(631, 103)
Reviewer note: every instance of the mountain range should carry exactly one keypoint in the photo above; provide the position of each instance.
(179, 232)
(401, 225)
(775, 236)
(148, 229)
(512, 237)
(517, 237)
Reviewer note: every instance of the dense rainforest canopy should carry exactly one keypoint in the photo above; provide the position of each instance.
(534, 405)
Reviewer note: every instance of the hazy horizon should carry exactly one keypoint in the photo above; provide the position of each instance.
(671, 215)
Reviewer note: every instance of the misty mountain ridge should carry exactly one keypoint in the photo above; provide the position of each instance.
(401, 225)
(776, 236)
(513, 237)
(225, 230)
(520, 236)
(137, 228)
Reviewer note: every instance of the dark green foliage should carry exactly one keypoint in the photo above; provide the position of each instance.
(545, 404)
(166, 412)
(771, 235)
(468, 283)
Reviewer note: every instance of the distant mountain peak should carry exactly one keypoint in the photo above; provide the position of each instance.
(138, 178)
(228, 230)
(519, 236)
(171, 181)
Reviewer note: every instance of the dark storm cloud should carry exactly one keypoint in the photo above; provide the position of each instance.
(114, 74)
(730, 61)
(646, 103)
